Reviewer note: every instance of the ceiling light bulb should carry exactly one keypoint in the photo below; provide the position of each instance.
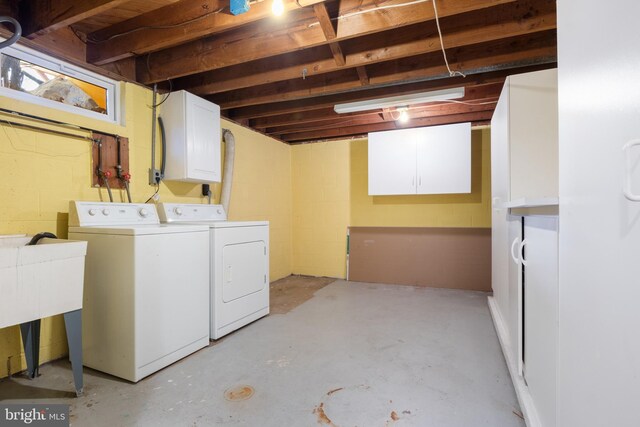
(404, 115)
(277, 7)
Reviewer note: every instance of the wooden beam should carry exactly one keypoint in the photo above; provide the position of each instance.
(125, 67)
(363, 130)
(362, 75)
(485, 92)
(338, 56)
(249, 45)
(511, 20)
(320, 9)
(388, 115)
(425, 67)
(63, 44)
(40, 17)
(200, 18)
(315, 103)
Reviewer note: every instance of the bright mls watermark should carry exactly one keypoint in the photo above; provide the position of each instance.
(34, 415)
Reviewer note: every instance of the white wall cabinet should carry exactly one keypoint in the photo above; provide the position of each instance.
(430, 160)
(524, 130)
(192, 127)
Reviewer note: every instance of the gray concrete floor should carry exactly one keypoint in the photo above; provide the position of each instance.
(355, 354)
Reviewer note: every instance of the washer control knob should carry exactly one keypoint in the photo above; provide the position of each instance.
(93, 212)
(143, 213)
(105, 212)
(178, 211)
(219, 211)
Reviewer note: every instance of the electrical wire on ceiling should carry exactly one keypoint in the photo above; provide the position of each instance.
(156, 27)
(78, 34)
(164, 27)
(410, 3)
(373, 9)
(444, 53)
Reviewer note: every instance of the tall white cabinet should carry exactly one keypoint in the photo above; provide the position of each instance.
(599, 306)
(524, 305)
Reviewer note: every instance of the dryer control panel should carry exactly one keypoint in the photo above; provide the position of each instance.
(180, 212)
(85, 214)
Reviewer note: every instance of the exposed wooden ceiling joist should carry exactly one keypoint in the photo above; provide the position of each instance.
(249, 45)
(362, 130)
(320, 9)
(388, 115)
(314, 103)
(314, 118)
(40, 17)
(284, 75)
(498, 23)
(362, 75)
(164, 27)
(424, 68)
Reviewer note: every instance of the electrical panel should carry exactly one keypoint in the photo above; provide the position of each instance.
(193, 139)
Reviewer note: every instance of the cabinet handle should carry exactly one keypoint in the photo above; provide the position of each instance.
(521, 251)
(513, 255)
(419, 181)
(413, 181)
(626, 189)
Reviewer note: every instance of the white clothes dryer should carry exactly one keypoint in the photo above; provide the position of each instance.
(239, 264)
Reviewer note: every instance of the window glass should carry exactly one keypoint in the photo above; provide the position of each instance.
(21, 75)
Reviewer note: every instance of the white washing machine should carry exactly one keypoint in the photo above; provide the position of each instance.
(239, 264)
(146, 288)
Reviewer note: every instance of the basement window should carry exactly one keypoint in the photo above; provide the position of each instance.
(34, 77)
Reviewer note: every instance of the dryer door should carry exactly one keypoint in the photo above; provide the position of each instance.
(244, 269)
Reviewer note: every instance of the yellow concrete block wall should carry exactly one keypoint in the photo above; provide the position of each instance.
(261, 190)
(40, 173)
(449, 210)
(320, 187)
(330, 192)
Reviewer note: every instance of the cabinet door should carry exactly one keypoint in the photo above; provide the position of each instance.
(499, 193)
(203, 139)
(392, 162)
(514, 316)
(540, 253)
(600, 237)
(533, 134)
(444, 159)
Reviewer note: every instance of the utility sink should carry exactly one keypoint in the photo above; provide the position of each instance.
(41, 280)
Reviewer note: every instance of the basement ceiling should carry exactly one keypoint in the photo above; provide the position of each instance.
(283, 75)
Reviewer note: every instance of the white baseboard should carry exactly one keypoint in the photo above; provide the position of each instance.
(522, 391)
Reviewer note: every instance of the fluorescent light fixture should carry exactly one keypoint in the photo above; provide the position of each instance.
(400, 101)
